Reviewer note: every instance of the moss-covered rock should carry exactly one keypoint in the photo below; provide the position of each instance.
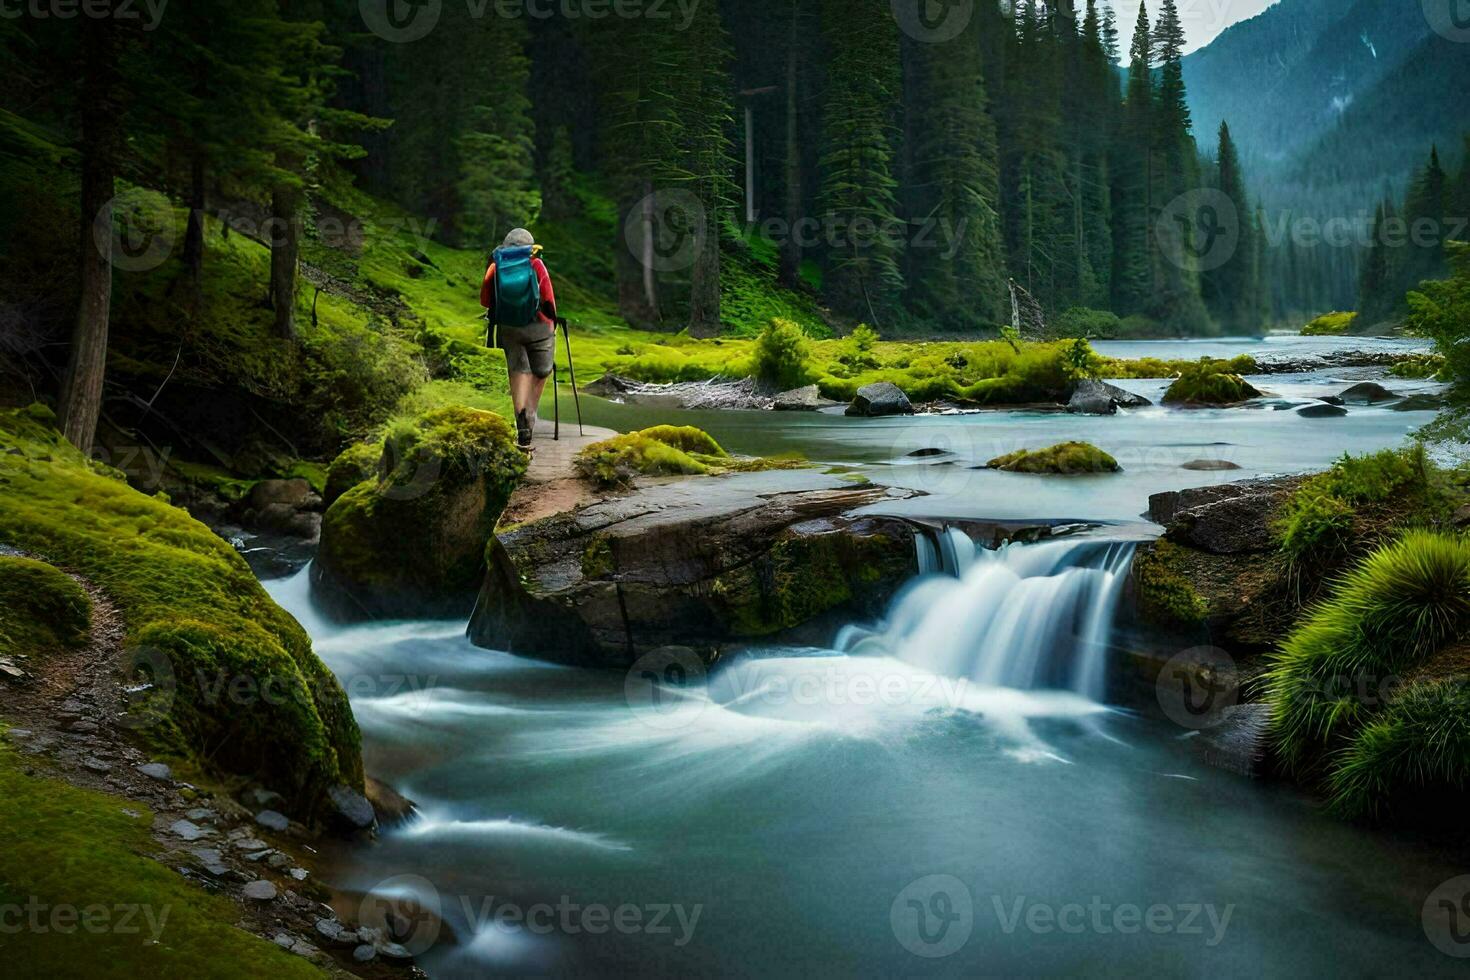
(411, 542)
(355, 464)
(1165, 594)
(1330, 324)
(1208, 383)
(664, 450)
(41, 609)
(1068, 458)
(235, 684)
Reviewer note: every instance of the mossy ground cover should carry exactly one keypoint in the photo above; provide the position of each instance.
(1067, 458)
(1330, 325)
(1348, 712)
(194, 615)
(42, 610)
(76, 861)
(1165, 593)
(665, 450)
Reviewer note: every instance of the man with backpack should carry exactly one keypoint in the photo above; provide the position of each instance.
(521, 302)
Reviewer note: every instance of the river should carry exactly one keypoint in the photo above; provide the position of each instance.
(895, 809)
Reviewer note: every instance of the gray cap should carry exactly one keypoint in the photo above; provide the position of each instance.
(519, 238)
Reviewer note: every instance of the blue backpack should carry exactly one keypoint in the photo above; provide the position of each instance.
(517, 289)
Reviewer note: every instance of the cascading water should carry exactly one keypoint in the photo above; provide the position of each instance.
(1022, 616)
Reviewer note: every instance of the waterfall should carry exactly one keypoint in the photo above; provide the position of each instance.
(1023, 616)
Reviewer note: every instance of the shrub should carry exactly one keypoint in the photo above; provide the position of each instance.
(1383, 619)
(1208, 383)
(859, 349)
(782, 355)
(1324, 515)
(664, 450)
(1330, 325)
(1418, 367)
(1066, 458)
(1080, 321)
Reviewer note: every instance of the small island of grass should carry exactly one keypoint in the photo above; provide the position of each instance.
(665, 450)
(1209, 383)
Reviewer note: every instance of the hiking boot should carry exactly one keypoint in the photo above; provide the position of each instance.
(525, 428)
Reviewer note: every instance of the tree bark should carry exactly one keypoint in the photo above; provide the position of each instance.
(637, 285)
(790, 269)
(285, 242)
(704, 285)
(81, 389)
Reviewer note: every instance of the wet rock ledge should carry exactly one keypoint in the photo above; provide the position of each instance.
(707, 564)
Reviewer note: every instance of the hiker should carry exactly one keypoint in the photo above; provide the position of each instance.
(518, 294)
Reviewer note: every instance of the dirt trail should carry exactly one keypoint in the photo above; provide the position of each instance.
(551, 485)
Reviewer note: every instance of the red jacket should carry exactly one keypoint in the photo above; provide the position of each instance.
(543, 278)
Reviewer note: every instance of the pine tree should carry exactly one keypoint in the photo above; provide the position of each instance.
(857, 196)
(1231, 290)
(496, 186)
(954, 189)
(1133, 173)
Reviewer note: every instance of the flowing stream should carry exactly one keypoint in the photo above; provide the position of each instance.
(941, 793)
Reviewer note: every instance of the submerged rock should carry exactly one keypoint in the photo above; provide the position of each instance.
(1366, 393)
(881, 398)
(1419, 403)
(1321, 411)
(1091, 397)
(704, 564)
(1209, 465)
(410, 543)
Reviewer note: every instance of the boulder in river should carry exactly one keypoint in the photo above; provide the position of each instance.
(1209, 465)
(1419, 403)
(706, 564)
(808, 399)
(1366, 393)
(411, 542)
(881, 398)
(1321, 410)
(1092, 397)
(1229, 519)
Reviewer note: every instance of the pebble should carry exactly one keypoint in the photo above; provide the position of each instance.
(393, 951)
(364, 953)
(200, 813)
(157, 770)
(254, 856)
(260, 891)
(279, 861)
(251, 844)
(189, 830)
(271, 820)
(300, 874)
(96, 765)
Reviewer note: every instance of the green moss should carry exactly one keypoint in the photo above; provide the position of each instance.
(1419, 367)
(1330, 325)
(42, 610)
(597, 558)
(1208, 383)
(665, 450)
(355, 464)
(1069, 458)
(1380, 622)
(173, 581)
(783, 355)
(412, 540)
(1165, 594)
(65, 847)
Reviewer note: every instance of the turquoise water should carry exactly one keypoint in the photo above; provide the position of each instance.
(800, 812)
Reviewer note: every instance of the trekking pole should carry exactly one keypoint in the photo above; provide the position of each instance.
(555, 397)
(561, 321)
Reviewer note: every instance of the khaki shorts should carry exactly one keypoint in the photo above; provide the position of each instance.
(528, 350)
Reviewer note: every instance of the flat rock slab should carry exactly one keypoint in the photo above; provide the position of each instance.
(1229, 519)
(704, 562)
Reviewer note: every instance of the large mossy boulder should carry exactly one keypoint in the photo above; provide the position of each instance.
(223, 677)
(42, 609)
(410, 542)
(1067, 458)
(1209, 384)
(747, 557)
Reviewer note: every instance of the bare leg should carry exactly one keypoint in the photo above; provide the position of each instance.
(521, 393)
